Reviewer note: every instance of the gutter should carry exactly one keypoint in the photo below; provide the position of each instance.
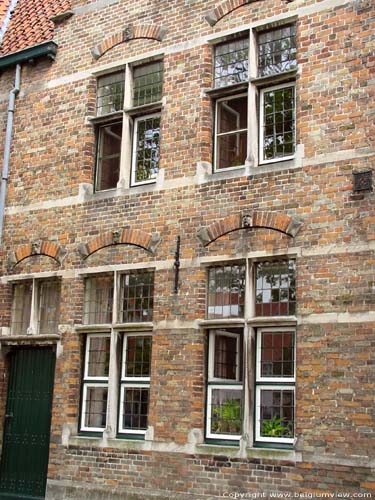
(45, 49)
(8, 140)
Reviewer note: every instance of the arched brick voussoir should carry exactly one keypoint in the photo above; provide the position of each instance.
(124, 236)
(151, 31)
(257, 219)
(225, 7)
(48, 248)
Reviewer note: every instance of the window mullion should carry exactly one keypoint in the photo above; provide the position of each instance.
(34, 308)
(249, 384)
(249, 291)
(253, 55)
(127, 124)
(113, 378)
(116, 297)
(249, 354)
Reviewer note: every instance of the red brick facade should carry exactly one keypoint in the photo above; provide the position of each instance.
(56, 226)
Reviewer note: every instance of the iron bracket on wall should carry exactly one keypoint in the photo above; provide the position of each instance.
(177, 264)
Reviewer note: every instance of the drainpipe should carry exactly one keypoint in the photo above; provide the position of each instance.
(8, 141)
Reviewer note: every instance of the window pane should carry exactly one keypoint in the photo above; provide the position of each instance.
(226, 411)
(137, 297)
(98, 300)
(147, 83)
(278, 123)
(95, 405)
(275, 288)
(146, 147)
(231, 148)
(226, 357)
(49, 307)
(231, 62)
(110, 93)
(98, 356)
(135, 409)
(108, 156)
(226, 290)
(277, 50)
(277, 354)
(21, 308)
(138, 356)
(232, 114)
(277, 413)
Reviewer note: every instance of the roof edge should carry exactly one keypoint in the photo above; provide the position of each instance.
(45, 49)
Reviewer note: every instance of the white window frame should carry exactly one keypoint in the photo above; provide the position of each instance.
(102, 382)
(222, 383)
(255, 155)
(99, 145)
(152, 180)
(129, 128)
(211, 362)
(130, 382)
(264, 439)
(263, 160)
(210, 388)
(274, 329)
(249, 328)
(115, 380)
(83, 428)
(222, 134)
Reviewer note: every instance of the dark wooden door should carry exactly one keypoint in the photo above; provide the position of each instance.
(24, 458)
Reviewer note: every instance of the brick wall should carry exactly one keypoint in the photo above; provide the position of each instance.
(50, 199)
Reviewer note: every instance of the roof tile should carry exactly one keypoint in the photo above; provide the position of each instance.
(30, 23)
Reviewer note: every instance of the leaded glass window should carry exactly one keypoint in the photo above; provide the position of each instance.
(231, 62)
(146, 149)
(275, 288)
(275, 385)
(226, 288)
(135, 383)
(276, 411)
(277, 50)
(110, 93)
(225, 389)
(147, 83)
(95, 383)
(137, 297)
(278, 123)
(247, 358)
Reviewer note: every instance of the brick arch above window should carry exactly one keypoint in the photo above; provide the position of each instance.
(124, 236)
(225, 7)
(151, 31)
(257, 219)
(38, 247)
